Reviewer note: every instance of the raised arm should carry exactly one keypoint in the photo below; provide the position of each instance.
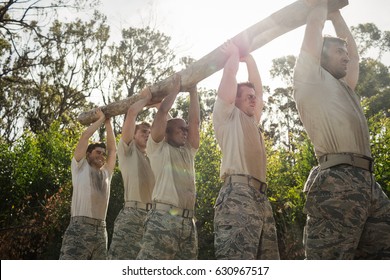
(82, 145)
(128, 127)
(159, 125)
(227, 89)
(312, 40)
(255, 79)
(111, 147)
(193, 118)
(343, 32)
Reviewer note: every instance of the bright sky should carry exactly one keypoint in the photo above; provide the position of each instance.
(199, 26)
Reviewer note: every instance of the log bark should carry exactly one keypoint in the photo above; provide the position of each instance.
(252, 38)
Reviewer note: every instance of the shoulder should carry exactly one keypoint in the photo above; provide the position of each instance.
(223, 110)
(78, 164)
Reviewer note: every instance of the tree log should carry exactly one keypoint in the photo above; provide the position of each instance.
(259, 34)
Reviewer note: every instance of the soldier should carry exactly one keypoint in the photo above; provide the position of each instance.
(170, 228)
(348, 215)
(138, 182)
(86, 236)
(244, 225)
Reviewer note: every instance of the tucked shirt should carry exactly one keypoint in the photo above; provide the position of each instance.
(174, 173)
(329, 110)
(240, 140)
(91, 190)
(138, 177)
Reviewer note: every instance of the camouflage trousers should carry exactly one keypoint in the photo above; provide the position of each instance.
(127, 235)
(84, 239)
(348, 215)
(168, 237)
(244, 226)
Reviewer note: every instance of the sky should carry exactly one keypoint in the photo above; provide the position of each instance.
(197, 27)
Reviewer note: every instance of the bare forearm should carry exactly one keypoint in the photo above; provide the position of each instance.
(111, 147)
(342, 31)
(82, 145)
(167, 103)
(194, 110)
(312, 41)
(254, 74)
(160, 121)
(194, 119)
(93, 127)
(110, 137)
(128, 127)
(228, 86)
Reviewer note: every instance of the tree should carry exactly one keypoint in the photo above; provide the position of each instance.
(46, 72)
(371, 40)
(379, 126)
(281, 122)
(374, 87)
(286, 175)
(35, 186)
(23, 22)
(208, 183)
(142, 57)
(60, 89)
(374, 77)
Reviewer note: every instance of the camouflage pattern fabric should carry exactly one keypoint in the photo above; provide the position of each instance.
(83, 241)
(244, 224)
(127, 235)
(168, 237)
(348, 215)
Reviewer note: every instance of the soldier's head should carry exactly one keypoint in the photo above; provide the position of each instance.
(176, 132)
(246, 98)
(96, 154)
(334, 56)
(141, 134)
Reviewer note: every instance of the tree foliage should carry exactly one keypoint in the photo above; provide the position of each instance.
(370, 39)
(208, 183)
(49, 74)
(142, 57)
(35, 191)
(24, 22)
(281, 121)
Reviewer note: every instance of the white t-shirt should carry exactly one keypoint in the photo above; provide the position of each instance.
(241, 142)
(174, 172)
(138, 178)
(91, 190)
(330, 111)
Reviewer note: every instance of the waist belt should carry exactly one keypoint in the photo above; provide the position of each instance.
(88, 220)
(355, 160)
(138, 205)
(247, 179)
(173, 210)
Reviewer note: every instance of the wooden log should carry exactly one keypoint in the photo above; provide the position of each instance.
(252, 38)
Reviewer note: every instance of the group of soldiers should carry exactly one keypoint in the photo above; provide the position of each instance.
(348, 214)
